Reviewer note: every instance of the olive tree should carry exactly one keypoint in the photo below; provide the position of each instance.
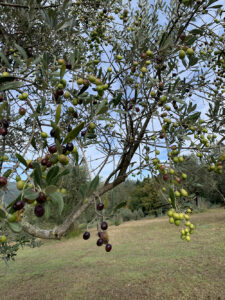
(108, 84)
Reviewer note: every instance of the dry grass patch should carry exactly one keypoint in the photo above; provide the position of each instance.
(148, 261)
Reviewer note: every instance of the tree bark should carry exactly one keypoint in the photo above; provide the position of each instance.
(61, 230)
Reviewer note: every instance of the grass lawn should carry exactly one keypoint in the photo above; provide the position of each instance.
(148, 261)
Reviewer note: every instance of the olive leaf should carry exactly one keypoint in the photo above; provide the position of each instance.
(15, 227)
(57, 199)
(58, 113)
(2, 213)
(50, 189)
(93, 185)
(37, 173)
(172, 197)
(30, 194)
(73, 133)
(21, 159)
(53, 172)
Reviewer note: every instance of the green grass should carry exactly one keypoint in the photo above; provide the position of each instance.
(148, 261)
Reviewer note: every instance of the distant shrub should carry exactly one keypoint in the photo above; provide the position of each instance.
(76, 230)
(74, 233)
(117, 222)
(126, 214)
(138, 214)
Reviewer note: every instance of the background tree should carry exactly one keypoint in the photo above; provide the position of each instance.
(105, 78)
(148, 197)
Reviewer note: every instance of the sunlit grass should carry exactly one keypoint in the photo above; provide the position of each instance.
(148, 261)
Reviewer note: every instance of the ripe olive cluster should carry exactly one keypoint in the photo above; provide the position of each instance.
(49, 160)
(4, 124)
(38, 203)
(102, 234)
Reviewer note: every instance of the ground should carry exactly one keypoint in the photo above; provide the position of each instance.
(148, 261)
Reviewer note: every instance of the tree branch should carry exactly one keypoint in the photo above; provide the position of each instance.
(26, 6)
(61, 230)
